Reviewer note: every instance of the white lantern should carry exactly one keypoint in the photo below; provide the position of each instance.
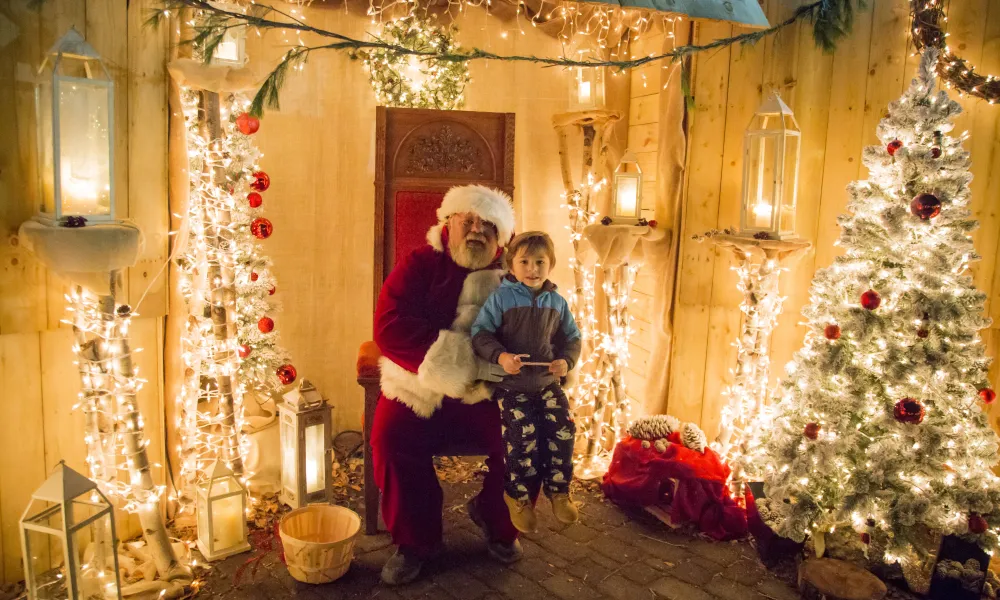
(74, 105)
(222, 509)
(586, 84)
(306, 447)
(771, 149)
(627, 203)
(231, 51)
(68, 540)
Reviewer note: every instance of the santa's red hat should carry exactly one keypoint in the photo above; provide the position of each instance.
(490, 204)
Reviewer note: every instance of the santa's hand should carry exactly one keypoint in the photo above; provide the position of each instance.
(488, 371)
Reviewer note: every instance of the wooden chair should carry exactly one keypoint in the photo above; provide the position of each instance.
(419, 155)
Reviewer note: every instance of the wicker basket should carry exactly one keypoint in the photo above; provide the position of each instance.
(319, 541)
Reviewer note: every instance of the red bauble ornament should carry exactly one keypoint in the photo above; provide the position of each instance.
(247, 124)
(286, 374)
(811, 431)
(254, 276)
(266, 324)
(987, 395)
(866, 539)
(832, 332)
(925, 206)
(908, 410)
(977, 524)
(271, 291)
(893, 146)
(254, 199)
(922, 333)
(260, 181)
(244, 350)
(261, 228)
(871, 300)
(653, 223)
(935, 152)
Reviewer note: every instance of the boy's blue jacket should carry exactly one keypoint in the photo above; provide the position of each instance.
(518, 320)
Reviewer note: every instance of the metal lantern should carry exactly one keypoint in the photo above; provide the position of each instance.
(74, 105)
(231, 51)
(68, 540)
(306, 447)
(222, 509)
(586, 84)
(771, 149)
(627, 204)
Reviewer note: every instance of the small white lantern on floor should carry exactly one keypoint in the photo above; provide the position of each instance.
(231, 51)
(68, 540)
(771, 149)
(74, 105)
(306, 447)
(222, 509)
(627, 205)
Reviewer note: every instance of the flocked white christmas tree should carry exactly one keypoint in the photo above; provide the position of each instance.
(231, 349)
(880, 424)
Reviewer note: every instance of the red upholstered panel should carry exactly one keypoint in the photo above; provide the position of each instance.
(415, 214)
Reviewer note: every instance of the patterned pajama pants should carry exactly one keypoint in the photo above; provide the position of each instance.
(538, 431)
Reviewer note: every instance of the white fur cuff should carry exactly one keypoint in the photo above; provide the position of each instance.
(449, 367)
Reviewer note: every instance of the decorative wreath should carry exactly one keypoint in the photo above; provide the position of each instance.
(413, 80)
(927, 14)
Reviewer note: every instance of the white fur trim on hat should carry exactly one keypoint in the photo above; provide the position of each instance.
(491, 205)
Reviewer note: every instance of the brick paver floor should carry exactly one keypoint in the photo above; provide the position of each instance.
(608, 554)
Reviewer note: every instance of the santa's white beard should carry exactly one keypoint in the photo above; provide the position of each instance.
(471, 256)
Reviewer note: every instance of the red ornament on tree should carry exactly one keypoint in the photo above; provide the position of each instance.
(987, 395)
(266, 324)
(871, 300)
(925, 206)
(909, 410)
(254, 199)
(832, 331)
(254, 276)
(977, 524)
(893, 146)
(922, 333)
(811, 431)
(286, 374)
(271, 291)
(260, 181)
(248, 125)
(244, 350)
(261, 228)
(866, 539)
(935, 152)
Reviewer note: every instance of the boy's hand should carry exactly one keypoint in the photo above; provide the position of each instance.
(559, 368)
(511, 363)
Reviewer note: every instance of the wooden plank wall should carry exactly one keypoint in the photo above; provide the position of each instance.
(838, 100)
(38, 380)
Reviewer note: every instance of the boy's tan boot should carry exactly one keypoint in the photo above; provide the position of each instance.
(564, 509)
(522, 514)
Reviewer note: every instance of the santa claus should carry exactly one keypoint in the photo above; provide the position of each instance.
(434, 387)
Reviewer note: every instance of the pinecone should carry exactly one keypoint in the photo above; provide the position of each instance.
(653, 427)
(693, 437)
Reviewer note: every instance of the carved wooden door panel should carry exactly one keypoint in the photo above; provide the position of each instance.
(420, 154)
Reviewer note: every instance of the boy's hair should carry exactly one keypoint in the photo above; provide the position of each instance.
(530, 242)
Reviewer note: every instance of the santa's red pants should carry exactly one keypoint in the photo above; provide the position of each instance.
(403, 445)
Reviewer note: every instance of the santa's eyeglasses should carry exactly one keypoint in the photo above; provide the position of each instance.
(473, 221)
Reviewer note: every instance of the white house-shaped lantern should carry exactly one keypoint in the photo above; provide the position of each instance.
(586, 84)
(74, 105)
(627, 201)
(68, 540)
(306, 447)
(231, 51)
(771, 149)
(222, 508)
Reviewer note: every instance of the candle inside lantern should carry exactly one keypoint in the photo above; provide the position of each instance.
(227, 518)
(314, 459)
(626, 196)
(584, 91)
(762, 214)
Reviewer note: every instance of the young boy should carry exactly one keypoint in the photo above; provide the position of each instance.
(526, 321)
